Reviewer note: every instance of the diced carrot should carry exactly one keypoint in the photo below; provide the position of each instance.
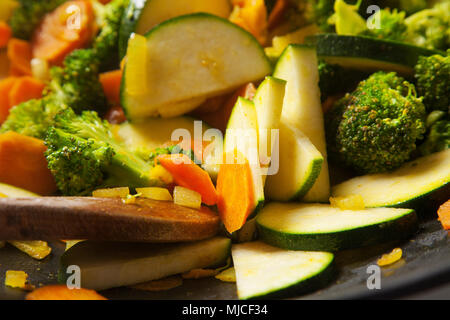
(444, 215)
(62, 292)
(70, 26)
(111, 85)
(23, 164)
(189, 175)
(235, 194)
(5, 88)
(278, 11)
(251, 15)
(24, 89)
(5, 34)
(19, 55)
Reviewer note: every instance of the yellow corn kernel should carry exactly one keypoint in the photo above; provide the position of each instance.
(160, 173)
(160, 194)
(35, 249)
(390, 258)
(228, 275)
(354, 202)
(121, 192)
(16, 279)
(187, 198)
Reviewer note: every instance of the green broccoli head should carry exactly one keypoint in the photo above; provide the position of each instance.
(83, 155)
(106, 45)
(27, 16)
(32, 118)
(375, 128)
(77, 84)
(433, 81)
(438, 138)
(392, 25)
(430, 28)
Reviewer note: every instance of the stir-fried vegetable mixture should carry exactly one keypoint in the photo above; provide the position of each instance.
(143, 99)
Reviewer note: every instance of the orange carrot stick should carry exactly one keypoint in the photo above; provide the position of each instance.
(62, 292)
(111, 85)
(5, 34)
(236, 195)
(189, 175)
(5, 88)
(23, 164)
(70, 26)
(19, 55)
(24, 89)
(444, 215)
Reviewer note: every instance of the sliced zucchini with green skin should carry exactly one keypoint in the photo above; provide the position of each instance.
(302, 107)
(242, 135)
(321, 227)
(404, 187)
(143, 15)
(300, 164)
(15, 192)
(263, 271)
(154, 132)
(105, 265)
(368, 54)
(192, 57)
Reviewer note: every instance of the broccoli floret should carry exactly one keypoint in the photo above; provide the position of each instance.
(375, 128)
(392, 25)
(438, 138)
(335, 79)
(27, 16)
(84, 155)
(32, 118)
(106, 45)
(433, 81)
(430, 28)
(77, 84)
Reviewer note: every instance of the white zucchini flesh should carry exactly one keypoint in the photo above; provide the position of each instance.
(302, 107)
(263, 270)
(413, 180)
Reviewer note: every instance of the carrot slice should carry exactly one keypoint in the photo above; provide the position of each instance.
(278, 11)
(23, 164)
(189, 175)
(235, 194)
(5, 34)
(251, 15)
(5, 87)
(19, 55)
(62, 292)
(111, 85)
(444, 215)
(24, 89)
(70, 26)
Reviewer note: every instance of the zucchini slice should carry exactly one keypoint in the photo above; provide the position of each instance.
(142, 15)
(320, 227)
(190, 58)
(368, 54)
(302, 107)
(105, 265)
(263, 271)
(403, 187)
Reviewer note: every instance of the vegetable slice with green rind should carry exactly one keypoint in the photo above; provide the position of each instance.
(321, 227)
(403, 187)
(105, 265)
(263, 271)
(368, 54)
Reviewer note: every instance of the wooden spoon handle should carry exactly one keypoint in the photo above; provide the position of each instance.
(52, 218)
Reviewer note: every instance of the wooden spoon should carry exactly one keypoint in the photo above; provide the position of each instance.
(51, 218)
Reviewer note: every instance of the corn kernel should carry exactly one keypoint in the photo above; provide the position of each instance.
(160, 194)
(390, 258)
(16, 279)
